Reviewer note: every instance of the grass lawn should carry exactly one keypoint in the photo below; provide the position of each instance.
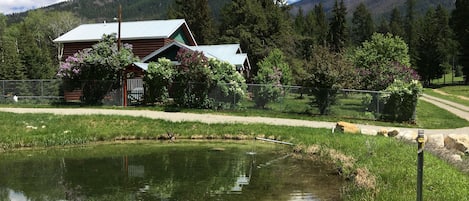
(431, 116)
(447, 79)
(348, 108)
(390, 163)
(459, 90)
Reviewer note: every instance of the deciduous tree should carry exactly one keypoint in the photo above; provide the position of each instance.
(328, 72)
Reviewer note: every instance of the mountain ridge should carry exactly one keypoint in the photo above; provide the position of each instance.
(378, 8)
(95, 11)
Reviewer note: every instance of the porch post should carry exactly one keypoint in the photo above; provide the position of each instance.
(124, 88)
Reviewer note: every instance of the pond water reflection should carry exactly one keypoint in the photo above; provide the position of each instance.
(200, 171)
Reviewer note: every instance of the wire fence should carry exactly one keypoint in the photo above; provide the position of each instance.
(31, 91)
(265, 98)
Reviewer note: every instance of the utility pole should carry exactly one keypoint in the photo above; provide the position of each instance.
(119, 18)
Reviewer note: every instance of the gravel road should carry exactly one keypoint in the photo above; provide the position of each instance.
(213, 118)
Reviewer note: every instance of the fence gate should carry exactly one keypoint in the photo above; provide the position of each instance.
(135, 91)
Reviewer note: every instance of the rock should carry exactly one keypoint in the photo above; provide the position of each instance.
(346, 127)
(369, 132)
(408, 135)
(393, 133)
(437, 140)
(457, 142)
(197, 137)
(383, 132)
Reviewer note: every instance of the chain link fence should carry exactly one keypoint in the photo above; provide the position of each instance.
(346, 103)
(30, 91)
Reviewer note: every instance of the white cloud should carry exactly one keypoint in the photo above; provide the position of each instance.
(16, 6)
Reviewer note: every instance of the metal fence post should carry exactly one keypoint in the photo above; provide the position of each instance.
(421, 143)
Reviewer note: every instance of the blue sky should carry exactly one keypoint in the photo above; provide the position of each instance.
(16, 6)
(292, 1)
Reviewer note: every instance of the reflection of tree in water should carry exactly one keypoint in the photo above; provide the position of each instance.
(4, 194)
(45, 176)
(172, 173)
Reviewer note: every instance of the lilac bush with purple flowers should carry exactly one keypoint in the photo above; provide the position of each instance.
(96, 70)
(382, 60)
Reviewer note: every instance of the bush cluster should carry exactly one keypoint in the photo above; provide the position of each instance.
(400, 101)
(195, 82)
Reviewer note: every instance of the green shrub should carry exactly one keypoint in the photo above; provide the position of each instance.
(158, 78)
(193, 80)
(327, 73)
(230, 84)
(401, 101)
(273, 73)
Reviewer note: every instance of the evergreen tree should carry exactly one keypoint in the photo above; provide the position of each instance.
(299, 22)
(447, 46)
(259, 26)
(338, 35)
(11, 67)
(36, 60)
(460, 24)
(383, 27)
(362, 24)
(322, 26)
(429, 57)
(411, 31)
(198, 16)
(396, 26)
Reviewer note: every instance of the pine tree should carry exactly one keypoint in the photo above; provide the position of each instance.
(299, 22)
(338, 35)
(436, 46)
(460, 23)
(37, 61)
(383, 27)
(411, 31)
(429, 58)
(447, 46)
(259, 26)
(322, 26)
(362, 24)
(396, 26)
(11, 67)
(198, 16)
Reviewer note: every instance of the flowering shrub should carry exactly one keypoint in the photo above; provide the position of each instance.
(158, 78)
(90, 68)
(382, 60)
(70, 70)
(193, 80)
(272, 74)
(230, 83)
(401, 101)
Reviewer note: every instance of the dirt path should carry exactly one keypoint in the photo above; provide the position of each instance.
(212, 118)
(447, 94)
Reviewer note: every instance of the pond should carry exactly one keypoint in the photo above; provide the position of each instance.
(165, 171)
